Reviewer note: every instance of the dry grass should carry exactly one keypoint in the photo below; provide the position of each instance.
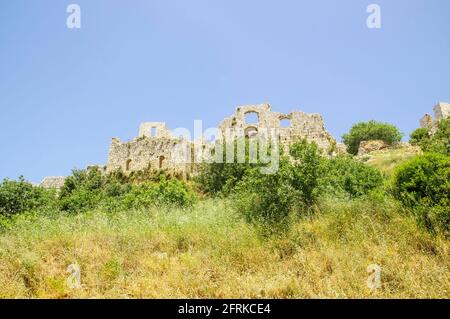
(209, 252)
(387, 160)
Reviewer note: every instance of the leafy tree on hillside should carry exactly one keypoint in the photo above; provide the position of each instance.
(368, 131)
(21, 196)
(423, 184)
(418, 136)
(440, 141)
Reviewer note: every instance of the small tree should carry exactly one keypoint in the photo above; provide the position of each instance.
(368, 131)
(440, 141)
(21, 196)
(423, 184)
(349, 177)
(270, 198)
(419, 136)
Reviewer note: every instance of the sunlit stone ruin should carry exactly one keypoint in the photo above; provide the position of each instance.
(441, 111)
(158, 148)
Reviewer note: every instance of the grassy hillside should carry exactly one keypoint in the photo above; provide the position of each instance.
(209, 251)
(388, 159)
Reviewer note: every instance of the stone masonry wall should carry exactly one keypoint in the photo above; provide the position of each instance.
(156, 148)
(297, 125)
(441, 111)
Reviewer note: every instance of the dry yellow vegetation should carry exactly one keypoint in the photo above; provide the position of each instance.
(388, 159)
(210, 252)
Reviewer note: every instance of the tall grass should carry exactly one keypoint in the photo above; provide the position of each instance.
(210, 252)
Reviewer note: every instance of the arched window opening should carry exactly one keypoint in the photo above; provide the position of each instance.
(251, 118)
(153, 131)
(128, 165)
(161, 161)
(285, 123)
(251, 131)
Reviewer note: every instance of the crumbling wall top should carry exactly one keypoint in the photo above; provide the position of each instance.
(441, 111)
(154, 129)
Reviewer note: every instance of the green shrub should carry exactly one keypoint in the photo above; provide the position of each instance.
(80, 200)
(423, 184)
(271, 198)
(222, 178)
(166, 192)
(82, 190)
(307, 169)
(435, 219)
(440, 141)
(367, 131)
(424, 179)
(21, 196)
(346, 176)
(419, 135)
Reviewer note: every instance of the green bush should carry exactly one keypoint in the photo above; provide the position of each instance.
(307, 169)
(166, 192)
(440, 141)
(21, 196)
(222, 178)
(82, 190)
(367, 131)
(271, 198)
(88, 189)
(424, 179)
(423, 184)
(419, 136)
(348, 177)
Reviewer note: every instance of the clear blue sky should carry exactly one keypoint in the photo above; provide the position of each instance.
(65, 93)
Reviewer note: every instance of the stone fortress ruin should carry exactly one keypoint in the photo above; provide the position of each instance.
(441, 111)
(158, 148)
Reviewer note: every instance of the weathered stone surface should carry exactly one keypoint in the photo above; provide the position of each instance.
(147, 153)
(161, 150)
(366, 147)
(297, 125)
(441, 111)
(341, 149)
(55, 182)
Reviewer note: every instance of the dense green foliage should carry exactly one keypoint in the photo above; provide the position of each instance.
(423, 184)
(221, 178)
(270, 198)
(166, 192)
(418, 136)
(88, 189)
(296, 187)
(295, 190)
(21, 196)
(368, 131)
(350, 178)
(438, 142)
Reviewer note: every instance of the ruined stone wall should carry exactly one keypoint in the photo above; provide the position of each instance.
(154, 129)
(55, 182)
(148, 153)
(291, 126)
(156, 148)
(441, 111)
